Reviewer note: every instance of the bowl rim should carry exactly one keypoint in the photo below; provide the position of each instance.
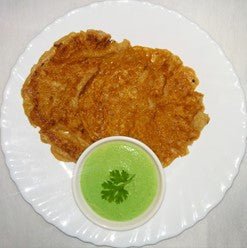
(103, 222)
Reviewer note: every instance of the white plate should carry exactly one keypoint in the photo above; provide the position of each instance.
(195, 183)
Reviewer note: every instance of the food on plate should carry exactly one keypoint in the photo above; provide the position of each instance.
(88, 86)
(116, 177)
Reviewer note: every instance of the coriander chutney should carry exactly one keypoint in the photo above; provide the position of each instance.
(119, 180)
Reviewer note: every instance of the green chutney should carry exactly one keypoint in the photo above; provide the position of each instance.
(121, 156)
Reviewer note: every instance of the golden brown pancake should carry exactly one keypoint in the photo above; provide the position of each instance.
(88, 86)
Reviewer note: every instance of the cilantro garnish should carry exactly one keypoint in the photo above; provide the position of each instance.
(114, 188)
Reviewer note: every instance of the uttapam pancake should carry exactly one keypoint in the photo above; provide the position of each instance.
(88, 86)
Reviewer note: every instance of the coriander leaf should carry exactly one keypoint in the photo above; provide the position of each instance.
(114, 188)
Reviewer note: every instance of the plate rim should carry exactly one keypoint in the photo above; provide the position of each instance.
(242, 151)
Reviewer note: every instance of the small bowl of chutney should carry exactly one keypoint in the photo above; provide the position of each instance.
(118, 183)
